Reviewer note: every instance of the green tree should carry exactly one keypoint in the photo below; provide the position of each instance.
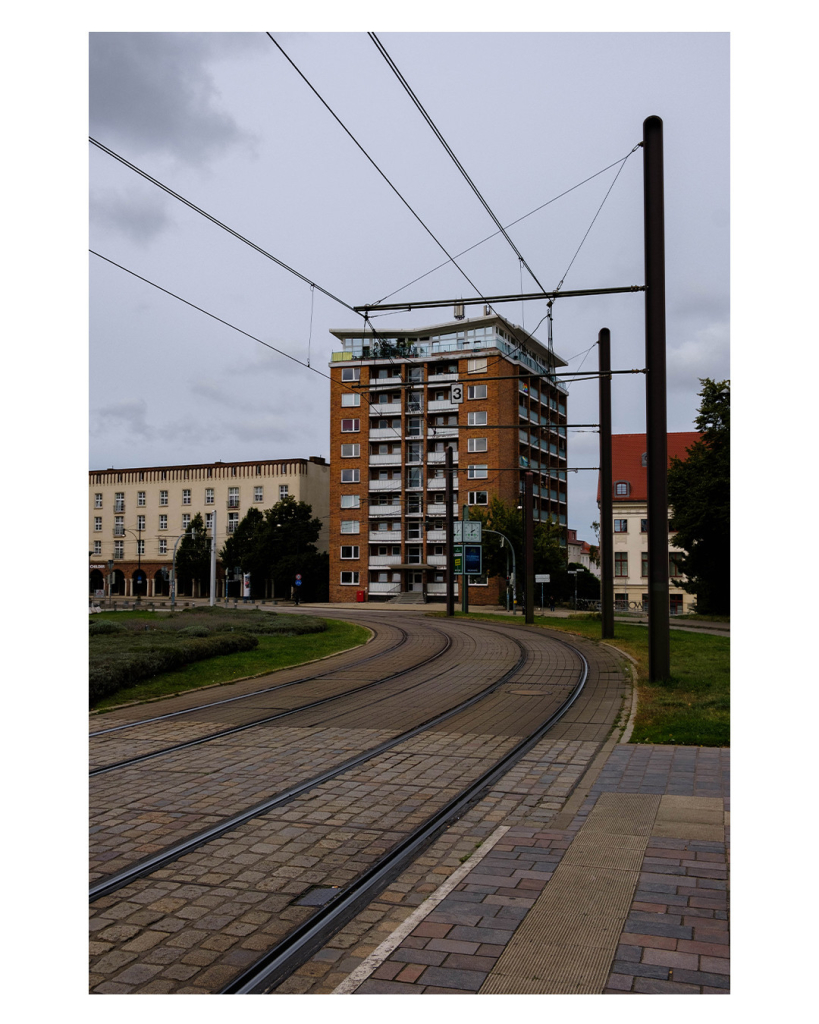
(699, 492)
(193, 557)
(278, 545)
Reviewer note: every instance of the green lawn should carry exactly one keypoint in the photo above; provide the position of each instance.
(273, 652)
(692, 708)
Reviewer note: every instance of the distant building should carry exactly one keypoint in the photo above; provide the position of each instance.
(137, 515)
(397, 405)
(630, 505)
(580, 552)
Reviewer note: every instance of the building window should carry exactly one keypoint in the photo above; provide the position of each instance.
(349, 373)
(209, 495)
(97, 524)
(163, 522)
(350, 501)
(476, 419)
(350, 451)
(350, 426)
(476, 391)
(478, 497)
(119, 501)
(140, 522)
(643, 526)
(349, 577)
(186, 520)
(476, 365)
(644, 563)
(284, 490)
(477, 444)
(478, 472)
(233, 497)
(675, 563)
(163, 546)
(140, 547)
(621, 489)
(97, 547)
(233, 522)
(350, 399)
(621, 525)
(186, 497)
(258, 493)
(350, 551)
(621, 563)
(141, 498)
(163, 497)
(119, 526)
(119, 551)
(350, 526)
(675, 604)
(350, 476)
(97, 501)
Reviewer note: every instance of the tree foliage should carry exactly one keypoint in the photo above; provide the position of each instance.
(279, 544)
(193, 556)
(699, 493)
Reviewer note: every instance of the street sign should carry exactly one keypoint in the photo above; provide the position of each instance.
(466, 531)
(298, 583)
(457, 393)
(473, 559)
(543, 577)
(298, 575)
(458, 559)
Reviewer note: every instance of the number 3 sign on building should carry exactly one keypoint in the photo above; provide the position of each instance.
(457, 393)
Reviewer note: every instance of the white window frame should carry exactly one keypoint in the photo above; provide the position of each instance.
(210, 495)
(97, 501)
(119, 549)
(209, 520)
(186, 520)
(474, 419)
(476, 365)
(350, 526)
(163, 546)
(353, 476)
(163, 522)
(353, 428)
(141, 499)
(186, 496)
(258, 493)
(163, 497)
(351, 501)
(477, 444)
(97, 547)
(140, 522)
(352, 579)
(354, 453)
(284, 491)
(97, 524)
(354, 549)
(478, 472)
(473, 497)
(350, 399)
(140, 547)
(349, 373)
(476, 391)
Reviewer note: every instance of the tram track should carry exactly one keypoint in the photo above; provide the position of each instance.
(442, 739)
(267, 719)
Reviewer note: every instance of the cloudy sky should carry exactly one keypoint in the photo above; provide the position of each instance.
(225, 121)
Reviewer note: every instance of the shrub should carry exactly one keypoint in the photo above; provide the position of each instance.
(117, 662)
(99, 627)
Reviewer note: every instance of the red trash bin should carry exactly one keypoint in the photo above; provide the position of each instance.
(359, 595)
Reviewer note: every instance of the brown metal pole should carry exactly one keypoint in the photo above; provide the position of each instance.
(450, 547)
(659, 642)
(529, 546)
(606, 509)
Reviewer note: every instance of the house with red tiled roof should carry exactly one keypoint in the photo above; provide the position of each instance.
(580, 551)
(630, 506)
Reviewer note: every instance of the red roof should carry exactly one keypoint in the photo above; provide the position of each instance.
(627, 458)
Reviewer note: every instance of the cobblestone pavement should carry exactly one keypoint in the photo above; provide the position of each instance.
(560, 910)
(194, 924)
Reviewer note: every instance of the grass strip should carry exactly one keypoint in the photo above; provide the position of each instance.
(272, 653)
(692, 708)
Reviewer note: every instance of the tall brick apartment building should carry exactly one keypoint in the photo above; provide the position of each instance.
(394, 412)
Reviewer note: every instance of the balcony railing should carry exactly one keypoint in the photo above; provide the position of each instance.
(119, 531)
(385, 588)
(393, 511)
(383, 382)
(439, 433)
(386, 460)
(436, 559)
(440, 457)
(443, 405)
(384, 560)
(385, 485)
(233, 503)
(119, 507)
(439, 588)
(385, 536)
(385, 433)
(436, 535)
(385, 409)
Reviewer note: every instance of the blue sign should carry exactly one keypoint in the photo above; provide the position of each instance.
(298, 583)
(472, 559)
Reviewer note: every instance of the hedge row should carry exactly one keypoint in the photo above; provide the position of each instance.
(118, 661)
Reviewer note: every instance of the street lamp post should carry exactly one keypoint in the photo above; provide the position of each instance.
(514, 574)
(574, 572)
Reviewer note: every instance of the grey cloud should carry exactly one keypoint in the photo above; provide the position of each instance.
(156, 87)
(129, 415)
(139, 217)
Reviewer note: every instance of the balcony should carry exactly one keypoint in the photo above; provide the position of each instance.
(440, 588)
(119, 507)
(378, 511)
(443, 406)
(383, 382)
(440, 458)
(436, 559)
(440, 484)
(439, 509)
(385, 485)
(119, 531)
(376, 560)
(385, 588)
(438, 536)
(385, 536)
(438, 378)
(385, 434)
(385, 409)
(386, 460)
(232, 503)
(439, 433)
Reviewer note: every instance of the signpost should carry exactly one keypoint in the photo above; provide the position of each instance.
(541, 578)
(456, 394)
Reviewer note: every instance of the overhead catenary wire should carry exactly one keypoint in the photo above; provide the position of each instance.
(394, 68)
